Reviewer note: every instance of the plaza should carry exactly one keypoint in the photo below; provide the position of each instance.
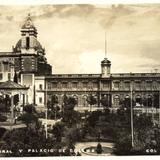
(104, 111)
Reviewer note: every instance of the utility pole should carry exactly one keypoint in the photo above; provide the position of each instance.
(132, 135)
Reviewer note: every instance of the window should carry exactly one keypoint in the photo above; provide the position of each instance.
(27, 42)
(127, 85)
(40, 99)
(74, 84)
(90, 85)
(9, 76)
(49, 85)
(0, 67)
(116, 85)
(138, 85)
(149, 85)
(80, 85)
(85, 84)
(95, 85)
(116, 100)
(1, 76)
(64, 85)
(54, 85)
(106, 85)
(6, 67)
(40, 86)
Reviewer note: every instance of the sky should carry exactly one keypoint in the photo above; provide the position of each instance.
(74, 35)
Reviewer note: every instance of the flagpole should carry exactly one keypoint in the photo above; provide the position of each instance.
(132, 136)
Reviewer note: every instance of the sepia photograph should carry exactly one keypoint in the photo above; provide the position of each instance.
(79, 80)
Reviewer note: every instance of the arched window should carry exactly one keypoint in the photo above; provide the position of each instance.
(76, 98)
(138, 100)
(84, 101)
(149, 101)
(116, 100)
(127, 97)
(27, 42)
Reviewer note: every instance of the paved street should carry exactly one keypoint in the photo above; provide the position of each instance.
(7, 125)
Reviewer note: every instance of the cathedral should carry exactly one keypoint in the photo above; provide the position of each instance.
(27, 60)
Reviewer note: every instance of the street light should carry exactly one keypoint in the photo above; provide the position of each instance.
(159, 108)
(132, 136)
(46, 129)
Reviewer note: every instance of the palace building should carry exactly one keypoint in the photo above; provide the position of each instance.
(27, 60)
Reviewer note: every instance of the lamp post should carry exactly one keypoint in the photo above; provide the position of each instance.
(12, 112)
(132, 135)
(46, 129)
(159, 109)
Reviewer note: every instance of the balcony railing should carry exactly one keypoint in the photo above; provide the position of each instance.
(74, 76)
(135, 75)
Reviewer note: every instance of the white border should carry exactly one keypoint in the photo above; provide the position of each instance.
(41, 2)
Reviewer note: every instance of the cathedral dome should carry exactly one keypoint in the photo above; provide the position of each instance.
(37, 46)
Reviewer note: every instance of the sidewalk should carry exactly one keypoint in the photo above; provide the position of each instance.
(7, 125)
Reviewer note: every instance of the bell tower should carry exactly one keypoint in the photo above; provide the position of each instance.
(105, 64)
(28, 36)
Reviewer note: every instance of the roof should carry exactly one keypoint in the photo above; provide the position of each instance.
(92, 76)
(28, 24)
(12, 85)
(105, 61)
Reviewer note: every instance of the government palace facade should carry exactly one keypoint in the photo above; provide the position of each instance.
(27, 60)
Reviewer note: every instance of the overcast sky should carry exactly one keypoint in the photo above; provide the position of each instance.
(74, 35)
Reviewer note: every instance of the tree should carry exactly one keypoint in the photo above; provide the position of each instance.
(70, 116)
(2, 131)
(53, 107)
(143, 128)
(123, 143)
(69, 103)
(91, 100)
(3, 118)
(3, 108)
(16, 97)
(52, 102)
(105, 101)
(126, 103)
(26, 139)
(93, 118)
(57, 130)
(156, 100)
(29, 117)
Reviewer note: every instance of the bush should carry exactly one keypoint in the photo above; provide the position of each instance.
(41, 115)
(123, 144)
(2, 131)
(29, 108)
(3, 118)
